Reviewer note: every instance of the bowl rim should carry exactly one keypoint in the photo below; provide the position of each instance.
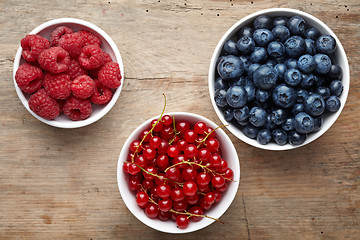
(229, 33)
(106, 108)
(204, 222)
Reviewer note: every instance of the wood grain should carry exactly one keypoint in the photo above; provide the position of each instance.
(61, 184)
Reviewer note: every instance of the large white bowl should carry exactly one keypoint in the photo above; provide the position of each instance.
(228, 153)
(340, 58)
(107, 45)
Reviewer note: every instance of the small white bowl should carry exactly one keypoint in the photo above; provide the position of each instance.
(228, 153)
(340, 58)
(107, 45)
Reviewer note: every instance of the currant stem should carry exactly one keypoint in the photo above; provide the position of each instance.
(175, 132)
(208, 134)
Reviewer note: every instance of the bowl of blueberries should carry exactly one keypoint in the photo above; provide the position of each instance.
(279, 79)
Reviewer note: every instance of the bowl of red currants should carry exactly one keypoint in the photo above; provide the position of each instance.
(178, 172)
(68, 73)
(279, 78)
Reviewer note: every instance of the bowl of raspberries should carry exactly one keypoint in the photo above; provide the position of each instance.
(68, 73)
(178, 172)
(279, 78)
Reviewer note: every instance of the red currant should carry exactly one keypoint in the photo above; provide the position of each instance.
(204, 155)
(164, 216)
(210, 197)
(141, 161)
(165, 205)
(210, 130)
(182, 221)
(217, 181)
(177, 194)
(182, 126)
(162, 149)
(155, 142)
(164, 191)
(167, 133)
(203, 179)
(143, 134)
(166, 120)
(212, 144)
(218, 195)
(151, 211)
(142, 199)
(126, 167)
(173, 173)
(180, 206)
(150, 170)
(134, 145)
(158, 126)
(223, 188)
(204, 205)
(182, 144)
(162, 161)
(160, 180)
(189, 188)
(223, 166)
(200, 127)
(229, 174)
(191, 151)
(192, 200)
(178, 159)
(134, 183)
(197, 211)
(148, 184)
(189, 173)
(215, 161)
(133, 169)
(173, 151)
(190, 136)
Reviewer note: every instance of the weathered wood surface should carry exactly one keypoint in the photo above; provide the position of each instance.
(59, 183)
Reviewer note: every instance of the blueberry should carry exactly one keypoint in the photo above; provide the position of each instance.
(240, 82)
(304, 123)
(318, 80)
(323, 91)
(262, 21)
(230, 67)
(271, 62)
(276, 49)
(289, 124)
(230, 47)
(291, 63)
(281, 33)
(257, 117)
(294, 46)
(302, 94)
(312, 33)
(245, 45)
(241, 114)
(280, 69)
(252, 69)
(220, 98)
(314, 105)
(325, 44)
(263, 37)
(229, 114)
(265, 77)
(335, 72)
(278, 116)
(221, 84)
(246, 61)
(280, 21)
(279, 136)
(284, 96)
(263, 136)
(250, 91)
(259, 55)
(333, 104)
(318, 123)
(245, 32)
(323, 63)
(296, 138)
(293, 77)
(250, 131)
(308, 80)
(296, 25)
(236, 96)
(336, 87)
(306, 63)
(270, 124)
(310, 47)
(262, 95)
(297, 108)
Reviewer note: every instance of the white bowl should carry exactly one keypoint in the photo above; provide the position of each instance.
(228, 153)
(107, 45)
(340, 58)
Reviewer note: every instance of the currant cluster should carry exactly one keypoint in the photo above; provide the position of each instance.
(176, 170)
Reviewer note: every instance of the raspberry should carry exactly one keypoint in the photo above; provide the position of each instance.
(72, 43)
(106, 57)
(32, 46)
(110, 76)
(83, 87)
(43, 105)
(89, 38)
(101, 94)
(75, 69)
(29, 78)
(77, 109)
(55, 60)
(57, 33)
(57, 85)
(91, 57)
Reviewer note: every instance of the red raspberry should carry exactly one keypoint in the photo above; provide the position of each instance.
(43, 105)
(101, 94)
(57, 85)
(83, 87)
(89, 38)
(57, 33)
(75, 69)
(32, 46)
(55, 60)
(106, 57)
(72, 43)
(77, 109)
(29, 78)
(110, 76)
(91, 57)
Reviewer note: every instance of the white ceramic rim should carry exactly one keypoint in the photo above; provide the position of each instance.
(193, 226)
(281, 12)
(106, 109)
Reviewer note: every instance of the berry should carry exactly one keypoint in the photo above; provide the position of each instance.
(263, 37)
(326, 44)
(152, 211)
(279, 136)
(296, 25)
(43, 105)
(257, 116)
(323, 63)
(284, 96)
(306, 63)
(189, 188)
(296, 138)
(110, 75)
(312, 33)
(245, 45)
(58, 33)
(265, 77)
(293, 77)
(164, 191)
(250, 131)
(89, 39)
(75, 69)
(182, 221)
(333, 104)
(230, 67)
(177, 194)
(220, 98)
(230, 47)
(294, 46)
(217, 181)
(336, 88)
(281, 33)
(72, 43)
(29, 78)
(197, 211)
(314, 105)
(203, 179)
(259, 55)
(91, 57)
(57, 85)
(54, 60)
(276, 49)
(165, 205)
(83, 87)
(102, 94)
(304, 123)
(142, 199)
(262, 21)
(77, 109)
(236, 96)
(200, 127)
(32, 46)
(264, 136)
(282, 21)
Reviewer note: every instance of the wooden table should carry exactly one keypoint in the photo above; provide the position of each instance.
(59, 183)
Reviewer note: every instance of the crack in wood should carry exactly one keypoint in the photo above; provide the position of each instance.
(246, 218)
